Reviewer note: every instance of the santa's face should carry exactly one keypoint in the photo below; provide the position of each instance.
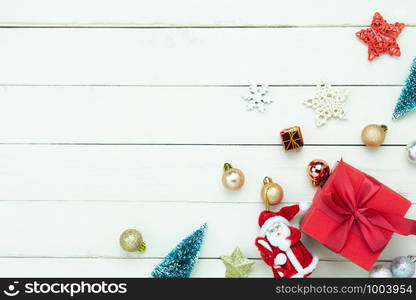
(276, 232)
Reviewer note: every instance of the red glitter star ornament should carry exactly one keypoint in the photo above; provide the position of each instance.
(381, 37)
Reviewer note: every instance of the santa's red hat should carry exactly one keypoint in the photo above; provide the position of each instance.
(284, 215)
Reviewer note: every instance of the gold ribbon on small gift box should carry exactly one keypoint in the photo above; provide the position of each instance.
(292, 138)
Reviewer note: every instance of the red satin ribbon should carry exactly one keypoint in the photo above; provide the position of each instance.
(348, 207)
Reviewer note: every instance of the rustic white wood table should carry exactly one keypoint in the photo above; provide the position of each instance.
(119, 114)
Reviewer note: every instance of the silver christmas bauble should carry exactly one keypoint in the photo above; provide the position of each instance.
(402, 266)
(380, 271)
(411, 151)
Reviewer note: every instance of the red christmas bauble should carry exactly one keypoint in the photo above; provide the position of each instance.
(318, 171)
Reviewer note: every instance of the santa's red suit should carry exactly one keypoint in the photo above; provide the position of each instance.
(280, 245)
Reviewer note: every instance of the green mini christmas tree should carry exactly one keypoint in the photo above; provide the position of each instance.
(180, 262)
(407, 99)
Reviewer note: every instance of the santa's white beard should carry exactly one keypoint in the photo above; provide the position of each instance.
(279, 238)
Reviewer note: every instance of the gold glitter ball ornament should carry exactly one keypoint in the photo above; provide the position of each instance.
(131, 240)
(236, 265)
(373, 135)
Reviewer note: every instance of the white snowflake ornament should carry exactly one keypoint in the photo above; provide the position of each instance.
(257, 97)
(328, 103)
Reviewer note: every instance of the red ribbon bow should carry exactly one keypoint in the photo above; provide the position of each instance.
(348, 207)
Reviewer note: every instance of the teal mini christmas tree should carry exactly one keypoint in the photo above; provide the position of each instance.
(407, 99)
(180, 262)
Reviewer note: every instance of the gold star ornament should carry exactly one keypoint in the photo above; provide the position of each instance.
(236, 265)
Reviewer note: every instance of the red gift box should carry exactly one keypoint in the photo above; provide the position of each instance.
(292, 138)
(355, 215)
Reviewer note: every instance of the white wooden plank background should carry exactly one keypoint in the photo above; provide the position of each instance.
(113, 112)
(92, 229)
(179, 173)
(197, 56)
(73, 267)
(203, 115)
(188, 13)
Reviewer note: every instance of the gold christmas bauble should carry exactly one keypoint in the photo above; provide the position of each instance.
(271, 193)
(373, 135)
(232, 179)
(131, 240)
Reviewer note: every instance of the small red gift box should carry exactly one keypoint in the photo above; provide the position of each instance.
(355, 215)
(292, 138)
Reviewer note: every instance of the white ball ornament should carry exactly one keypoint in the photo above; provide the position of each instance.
(380, 271)
(403, 267)
(411, 152)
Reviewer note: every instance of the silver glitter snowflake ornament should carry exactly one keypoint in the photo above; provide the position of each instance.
(328, 103)
(257, 97)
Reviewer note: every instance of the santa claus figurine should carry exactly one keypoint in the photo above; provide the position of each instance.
(280, 246)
